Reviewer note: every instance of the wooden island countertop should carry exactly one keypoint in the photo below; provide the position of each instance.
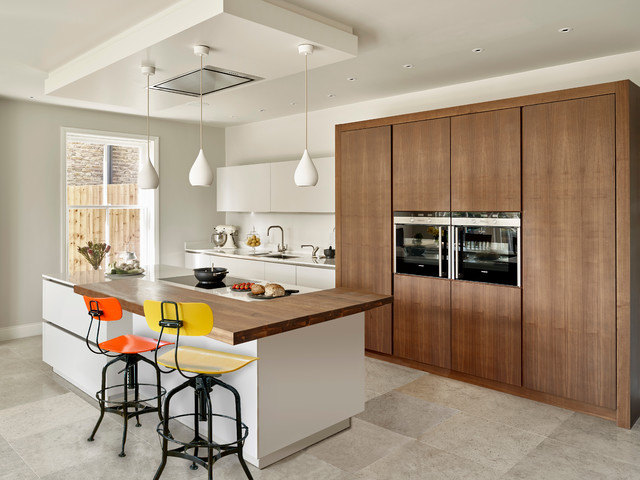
(237, 321)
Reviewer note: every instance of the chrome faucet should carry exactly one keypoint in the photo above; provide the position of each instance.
(315, 250)
(281, 246)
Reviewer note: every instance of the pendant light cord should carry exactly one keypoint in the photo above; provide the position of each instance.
(306, 122)
(148, 151)
(200, 102)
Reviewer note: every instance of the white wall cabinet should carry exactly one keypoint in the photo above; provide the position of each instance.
(269, 187)
(287, 197)
(245, 188)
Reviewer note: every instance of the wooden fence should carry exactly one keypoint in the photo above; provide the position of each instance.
(89, 224)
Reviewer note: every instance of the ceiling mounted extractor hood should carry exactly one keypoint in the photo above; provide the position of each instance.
(214, 79)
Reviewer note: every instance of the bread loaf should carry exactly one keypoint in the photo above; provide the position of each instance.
(273, 290)
(257, 289)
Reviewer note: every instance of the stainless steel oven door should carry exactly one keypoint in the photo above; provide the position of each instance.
(487, 250)
(421, 243)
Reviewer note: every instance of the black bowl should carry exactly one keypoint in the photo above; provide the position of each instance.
(210, 275)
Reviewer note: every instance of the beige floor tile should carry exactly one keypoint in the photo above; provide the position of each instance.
(20, 389)
(358, 446)
(58, 449)
(382, 377)
(300, 466)
(496, 406)
(421, 462)
(403, 414)
(28, 347)
(369, 394)
(491, 444)
(7, 353)
(600, 436)
(553, 460)
(51, 413)
(12, 467)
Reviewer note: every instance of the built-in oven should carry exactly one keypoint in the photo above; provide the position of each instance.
(421, 243)
(485, 246)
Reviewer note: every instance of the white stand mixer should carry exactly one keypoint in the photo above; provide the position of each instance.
(231, 231)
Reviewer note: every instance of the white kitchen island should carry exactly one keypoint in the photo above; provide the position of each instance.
(307, 384)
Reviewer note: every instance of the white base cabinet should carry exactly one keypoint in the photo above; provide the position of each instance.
(63, 337)
(322, 278)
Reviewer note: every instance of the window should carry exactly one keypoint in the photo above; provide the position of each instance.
(103, 201)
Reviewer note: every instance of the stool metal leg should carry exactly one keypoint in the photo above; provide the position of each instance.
(158, 384)
(196, 425)
(165, 427)
(125, 411)
(137, 390)
(101, 400)
(239, 432)
(165, 441)
(209, 411)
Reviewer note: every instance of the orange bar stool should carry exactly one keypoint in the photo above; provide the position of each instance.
(196, 319)
(127, 349)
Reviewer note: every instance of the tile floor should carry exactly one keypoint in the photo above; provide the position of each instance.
(415, 426)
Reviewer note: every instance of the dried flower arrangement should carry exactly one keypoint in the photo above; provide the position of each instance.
(94, 253)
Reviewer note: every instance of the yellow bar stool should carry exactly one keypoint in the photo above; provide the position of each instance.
(205, 366)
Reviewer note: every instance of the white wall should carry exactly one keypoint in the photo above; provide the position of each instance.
(30, 213)
(299, 229)
(283, 138)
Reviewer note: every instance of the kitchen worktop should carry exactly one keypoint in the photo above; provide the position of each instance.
(303, 259)
(237, 321)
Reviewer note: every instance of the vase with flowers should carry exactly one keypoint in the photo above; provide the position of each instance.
(94, 253)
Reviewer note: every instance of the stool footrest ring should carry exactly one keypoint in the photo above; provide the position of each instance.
(202, 443)
(101, 394)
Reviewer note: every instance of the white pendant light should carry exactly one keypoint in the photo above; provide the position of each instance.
(147, 176)
(201, 174)
(306, 174)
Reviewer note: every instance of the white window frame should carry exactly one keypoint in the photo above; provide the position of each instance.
(148, 197)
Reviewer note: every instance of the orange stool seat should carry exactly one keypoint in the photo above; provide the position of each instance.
(132, 344)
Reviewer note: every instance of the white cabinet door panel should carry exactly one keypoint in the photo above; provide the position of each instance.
(279, 273)
(322, 278)
(287, 197)
(244, 188)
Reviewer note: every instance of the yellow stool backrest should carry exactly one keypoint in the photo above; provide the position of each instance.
(197, 318)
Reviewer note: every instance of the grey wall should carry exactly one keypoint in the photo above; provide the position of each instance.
(30, 209)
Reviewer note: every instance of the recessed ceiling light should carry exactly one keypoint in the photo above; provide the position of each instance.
(565, 29)
(478, 50)
(408, 65)
(234, 116)
(263, 109)
(331, 95)
(352, 79)
(292, 104)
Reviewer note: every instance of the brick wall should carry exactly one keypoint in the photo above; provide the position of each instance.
(85, 162)
(124, 164)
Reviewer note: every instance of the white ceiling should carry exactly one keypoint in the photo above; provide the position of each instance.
(89, 52)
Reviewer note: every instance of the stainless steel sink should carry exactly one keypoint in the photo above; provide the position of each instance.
(283, 256)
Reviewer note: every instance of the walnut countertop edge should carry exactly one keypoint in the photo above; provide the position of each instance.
(236, 321)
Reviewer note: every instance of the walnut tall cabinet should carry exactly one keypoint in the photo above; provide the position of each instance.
(569, 161)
